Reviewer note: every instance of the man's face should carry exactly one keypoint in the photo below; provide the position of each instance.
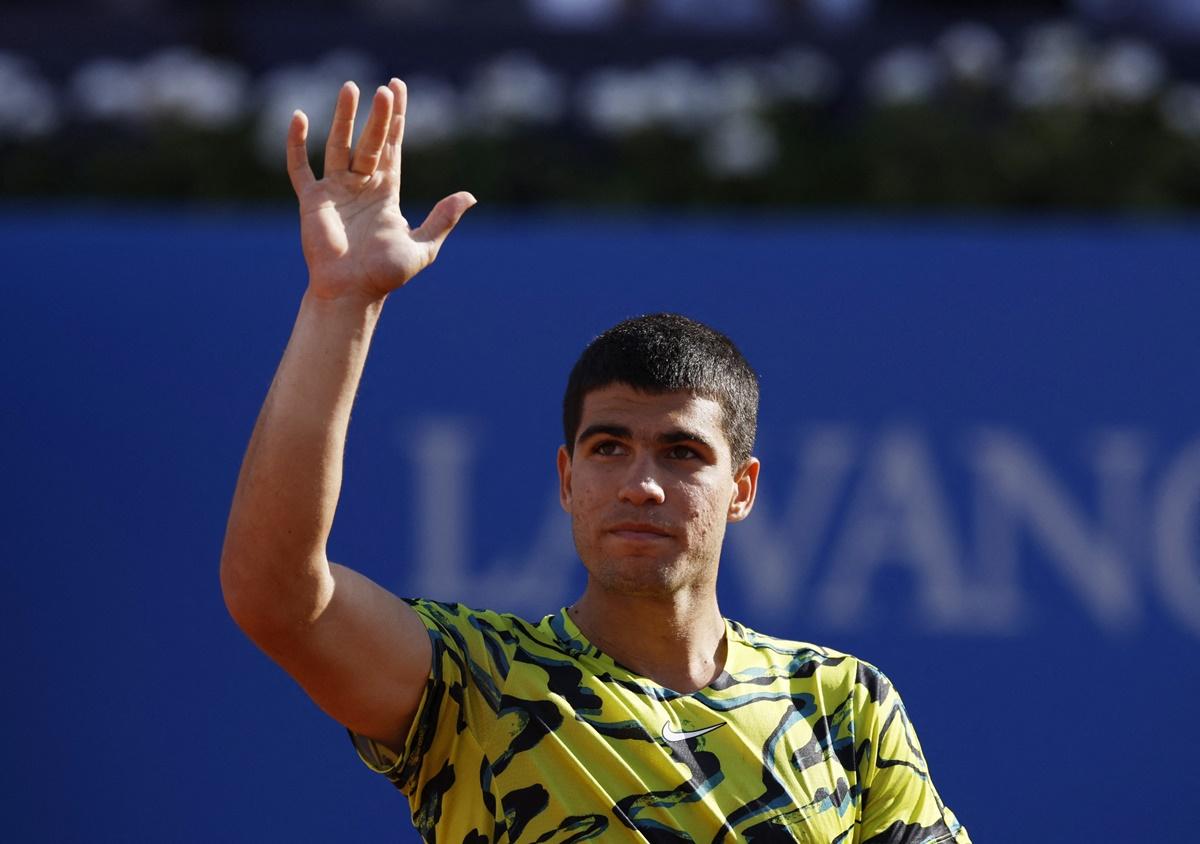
(650, 488)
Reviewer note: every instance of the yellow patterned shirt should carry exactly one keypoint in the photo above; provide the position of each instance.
(529, 733)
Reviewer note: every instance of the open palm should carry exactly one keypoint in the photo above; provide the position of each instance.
(355, 240)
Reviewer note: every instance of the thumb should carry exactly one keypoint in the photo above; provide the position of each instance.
(442, 219)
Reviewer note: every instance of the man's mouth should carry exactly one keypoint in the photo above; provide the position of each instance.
(639, 531)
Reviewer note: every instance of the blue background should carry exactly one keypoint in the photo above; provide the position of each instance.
(137, 346)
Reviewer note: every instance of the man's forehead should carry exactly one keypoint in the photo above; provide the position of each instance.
(638, 409)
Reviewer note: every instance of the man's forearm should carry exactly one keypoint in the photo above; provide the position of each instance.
(274, 571)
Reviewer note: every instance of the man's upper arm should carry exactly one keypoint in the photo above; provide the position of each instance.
(365, 659)
(900, 803)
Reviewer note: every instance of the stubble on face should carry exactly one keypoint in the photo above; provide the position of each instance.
(649, 491)
(636, 573)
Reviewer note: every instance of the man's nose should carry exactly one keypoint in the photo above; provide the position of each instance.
(642, 487)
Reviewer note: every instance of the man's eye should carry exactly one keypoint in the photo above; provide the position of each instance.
(607, 448)
(681, 452)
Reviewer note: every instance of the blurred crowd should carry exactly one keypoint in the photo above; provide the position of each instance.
(833, 101)
(1172, 18)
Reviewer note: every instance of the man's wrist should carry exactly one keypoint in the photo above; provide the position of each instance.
(347, 305)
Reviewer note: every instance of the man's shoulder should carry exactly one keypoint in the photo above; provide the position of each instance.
(788, 648)
(446, 616)
(804, 659)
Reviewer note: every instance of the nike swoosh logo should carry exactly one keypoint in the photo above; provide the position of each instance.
(671, 734)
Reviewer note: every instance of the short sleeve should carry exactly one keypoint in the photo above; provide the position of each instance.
(461, 696)
(899, 802)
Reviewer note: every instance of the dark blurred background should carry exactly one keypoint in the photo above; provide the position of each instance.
(1030, 105)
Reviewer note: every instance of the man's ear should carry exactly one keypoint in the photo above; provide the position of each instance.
(564, 478)
(745, 487)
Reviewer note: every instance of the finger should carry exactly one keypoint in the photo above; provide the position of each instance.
(370, 145)
(442, 220)
(341, 131)
(395, 139)
(299, 170)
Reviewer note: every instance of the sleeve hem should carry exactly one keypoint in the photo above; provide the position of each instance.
(376, 756)
(380, 758)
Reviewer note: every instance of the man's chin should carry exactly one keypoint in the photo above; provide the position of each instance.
(644, 576)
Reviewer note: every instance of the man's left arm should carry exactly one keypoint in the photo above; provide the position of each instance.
(899, 802)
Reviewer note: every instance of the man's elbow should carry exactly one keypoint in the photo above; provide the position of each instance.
(243, 598)
(272, 600)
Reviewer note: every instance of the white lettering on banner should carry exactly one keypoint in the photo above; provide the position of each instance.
(778, 551)
(443, 450)
(897, 517)
(1177, 537)
(1024, 494)
(815, 552)
(1120, 459)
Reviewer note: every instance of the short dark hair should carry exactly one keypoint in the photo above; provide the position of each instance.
(664, 353)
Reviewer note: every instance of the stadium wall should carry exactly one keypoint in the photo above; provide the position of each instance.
(981, 457)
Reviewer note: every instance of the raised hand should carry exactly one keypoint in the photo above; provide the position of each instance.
(355, 240)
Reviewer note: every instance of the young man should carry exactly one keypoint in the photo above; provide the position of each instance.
(638, 713)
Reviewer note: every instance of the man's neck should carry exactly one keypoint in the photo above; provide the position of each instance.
(678, 641)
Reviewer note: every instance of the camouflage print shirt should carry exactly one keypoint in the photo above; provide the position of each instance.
(529, 733)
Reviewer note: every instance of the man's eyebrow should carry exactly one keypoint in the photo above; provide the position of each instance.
(618, 431)
(680, 435)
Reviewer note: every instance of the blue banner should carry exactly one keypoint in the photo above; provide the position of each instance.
(981, 471)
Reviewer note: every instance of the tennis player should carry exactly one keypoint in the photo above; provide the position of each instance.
(638, 713)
